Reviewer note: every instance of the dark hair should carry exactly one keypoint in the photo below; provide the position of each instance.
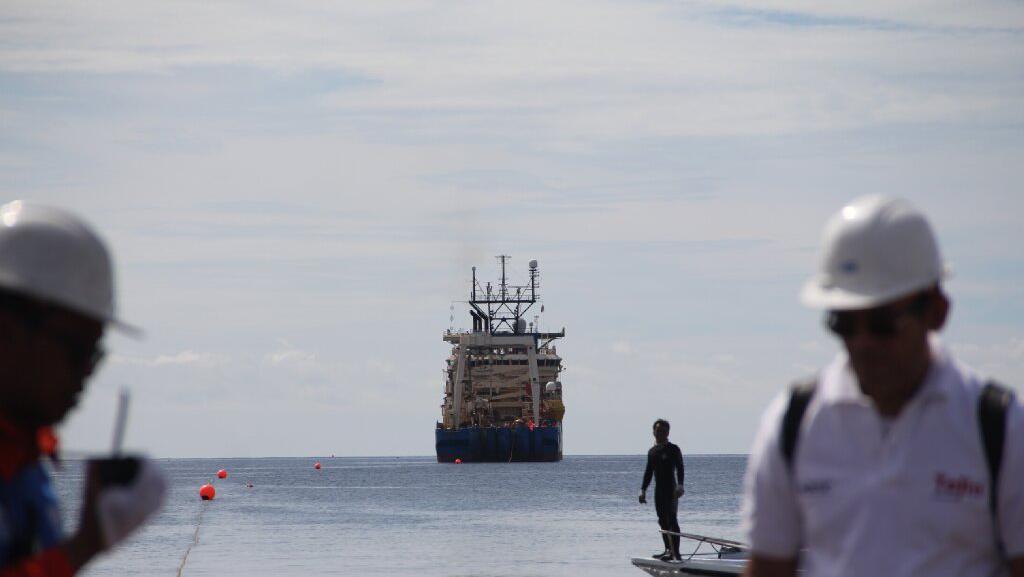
(661, 422)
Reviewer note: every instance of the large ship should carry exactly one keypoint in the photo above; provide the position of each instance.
(502, 393)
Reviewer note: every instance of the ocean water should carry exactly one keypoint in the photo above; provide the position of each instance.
(411, 516)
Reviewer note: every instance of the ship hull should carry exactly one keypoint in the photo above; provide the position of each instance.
(499, 444)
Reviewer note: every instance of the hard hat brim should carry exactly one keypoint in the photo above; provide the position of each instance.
(817, 294)
(15, 285)
(128, 330)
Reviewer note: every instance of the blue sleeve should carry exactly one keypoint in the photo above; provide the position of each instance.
(31, 517)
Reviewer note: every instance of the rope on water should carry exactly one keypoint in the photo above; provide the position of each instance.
(195, 537)
(512, 446)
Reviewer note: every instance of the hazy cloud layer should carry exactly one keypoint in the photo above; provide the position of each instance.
(295, 194)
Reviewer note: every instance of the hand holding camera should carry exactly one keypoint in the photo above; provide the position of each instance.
(130, 489)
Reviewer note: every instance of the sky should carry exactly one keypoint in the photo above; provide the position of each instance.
(294, 193)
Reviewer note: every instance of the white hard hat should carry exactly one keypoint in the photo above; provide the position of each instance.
(53, 256)
(874, 250)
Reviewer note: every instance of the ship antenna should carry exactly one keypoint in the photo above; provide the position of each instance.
(533, 280)
(504, 283)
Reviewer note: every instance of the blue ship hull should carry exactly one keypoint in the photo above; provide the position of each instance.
(499, 444)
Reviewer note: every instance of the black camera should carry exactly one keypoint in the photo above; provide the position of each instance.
(116, 470)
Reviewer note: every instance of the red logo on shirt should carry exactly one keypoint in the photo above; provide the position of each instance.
(956, 488)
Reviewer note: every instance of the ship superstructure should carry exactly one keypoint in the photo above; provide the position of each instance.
(502, 393)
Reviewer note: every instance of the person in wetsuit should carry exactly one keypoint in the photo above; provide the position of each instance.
(664, 463)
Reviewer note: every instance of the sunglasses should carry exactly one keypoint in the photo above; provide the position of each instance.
(80, 353)
(882, 322)
(84, 354)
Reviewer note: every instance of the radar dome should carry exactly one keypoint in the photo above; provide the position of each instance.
(533, 265)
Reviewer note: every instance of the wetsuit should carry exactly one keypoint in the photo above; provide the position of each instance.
(29, 519)
(663, 463)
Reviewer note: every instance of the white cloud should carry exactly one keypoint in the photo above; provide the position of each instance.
(381, 367)
(291, 357)
(673, 71)
(183, 358)
(622, 348)
(326, 174)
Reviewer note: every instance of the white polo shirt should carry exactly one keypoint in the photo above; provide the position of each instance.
(868, 497)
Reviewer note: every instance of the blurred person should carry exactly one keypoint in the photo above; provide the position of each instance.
(896, 459)
(56, 300)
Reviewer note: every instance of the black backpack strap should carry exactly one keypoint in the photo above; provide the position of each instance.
(800, 395)
(993, 404)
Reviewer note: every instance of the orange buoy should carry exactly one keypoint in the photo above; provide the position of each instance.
(222, 474)
(458, 461)
(316, 465)
(207, 492)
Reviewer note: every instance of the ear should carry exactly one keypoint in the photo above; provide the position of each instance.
(938, 310)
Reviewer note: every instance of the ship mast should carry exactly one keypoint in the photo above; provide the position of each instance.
(502, 312)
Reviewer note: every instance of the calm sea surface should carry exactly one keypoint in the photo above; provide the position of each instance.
(413, 516)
